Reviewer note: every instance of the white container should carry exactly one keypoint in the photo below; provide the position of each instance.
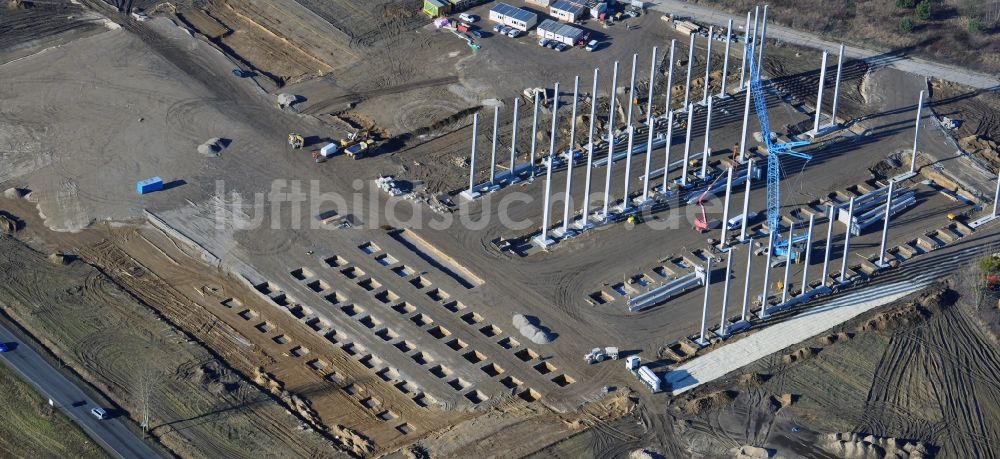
(329, 150)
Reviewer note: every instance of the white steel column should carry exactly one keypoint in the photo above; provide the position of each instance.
(708, 63)
(567, 204)
(808, 258)
(628, 166)
(746, 283)
(513, 140)
(544, 237)
(534, 138)
(666, 149)
(788, 263)
(916, 133)
(746, 42)
(746, 119)
(763, 38)
(670, 78)
(725, 210)
(652, 82)
(753, 41)
(704, 309)
(829, 245)
(819, 95)
(611, 142)
(687, 83)
(723, 329)
(996, 197)
(493, 150)
(555, 120)
(746, 202)
(687, 147)
(885, 227)
(631, 92)
(767, 276)
(572, 124)
(584, 213)
(725, 61)
(650, 123)
(847, 241)
(836, 86)
(708, 150)
(472, 159)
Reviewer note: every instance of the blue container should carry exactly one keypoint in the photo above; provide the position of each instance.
(149, 185)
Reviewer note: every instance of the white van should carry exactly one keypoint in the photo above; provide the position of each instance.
(466, 17)
(592, 45)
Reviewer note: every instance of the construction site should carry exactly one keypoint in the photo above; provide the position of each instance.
(424, 229)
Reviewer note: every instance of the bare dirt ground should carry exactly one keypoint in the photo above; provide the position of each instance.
(363, 333)
(200, 407)
(915, 376)
(30, 28)
(874, 24)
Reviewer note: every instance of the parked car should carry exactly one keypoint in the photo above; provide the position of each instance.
(513, 33)
(561, 47)
(477, 34)
(465, 17)
(240, 73)
(592, 46)
(505, 29)
(497, 27)
(4, 347)
(99, 413)
(552, 44)
(544, 43)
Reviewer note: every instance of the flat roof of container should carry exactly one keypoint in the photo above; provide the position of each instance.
(566, 5)
(560, 28)
(514, 12)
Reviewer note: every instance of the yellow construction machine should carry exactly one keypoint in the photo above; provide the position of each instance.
(296, 141)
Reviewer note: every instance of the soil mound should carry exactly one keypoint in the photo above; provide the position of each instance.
(801, 354)
(61, 259)
(708, 402)
(855, 446)
(751, 452)
(212, 147)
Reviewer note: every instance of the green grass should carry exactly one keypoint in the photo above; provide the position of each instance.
(30, 428)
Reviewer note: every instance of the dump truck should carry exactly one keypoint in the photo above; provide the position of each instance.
(358, 150)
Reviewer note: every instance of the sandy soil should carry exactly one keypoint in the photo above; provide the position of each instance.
(200, 406)
(915, 374)
(359, 345)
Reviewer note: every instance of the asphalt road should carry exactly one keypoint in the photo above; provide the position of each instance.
(112, 434)
(775, 32)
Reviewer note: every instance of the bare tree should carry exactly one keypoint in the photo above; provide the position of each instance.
(144, 384)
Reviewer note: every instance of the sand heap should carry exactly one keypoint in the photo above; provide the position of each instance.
(529, 328)
(855, 446)
(9, 224)
(286, 100)
(14, 193)
(212, 147)
(750, 452)
(979, 145)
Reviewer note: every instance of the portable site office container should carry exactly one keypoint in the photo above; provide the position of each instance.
(568, 11)
(517, 18)
(149, 185)
(435, 8)
(560, 32)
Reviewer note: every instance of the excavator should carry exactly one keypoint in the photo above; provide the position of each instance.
(701, 223)
(296, 141)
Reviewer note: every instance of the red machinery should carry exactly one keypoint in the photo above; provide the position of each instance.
(701, 223)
